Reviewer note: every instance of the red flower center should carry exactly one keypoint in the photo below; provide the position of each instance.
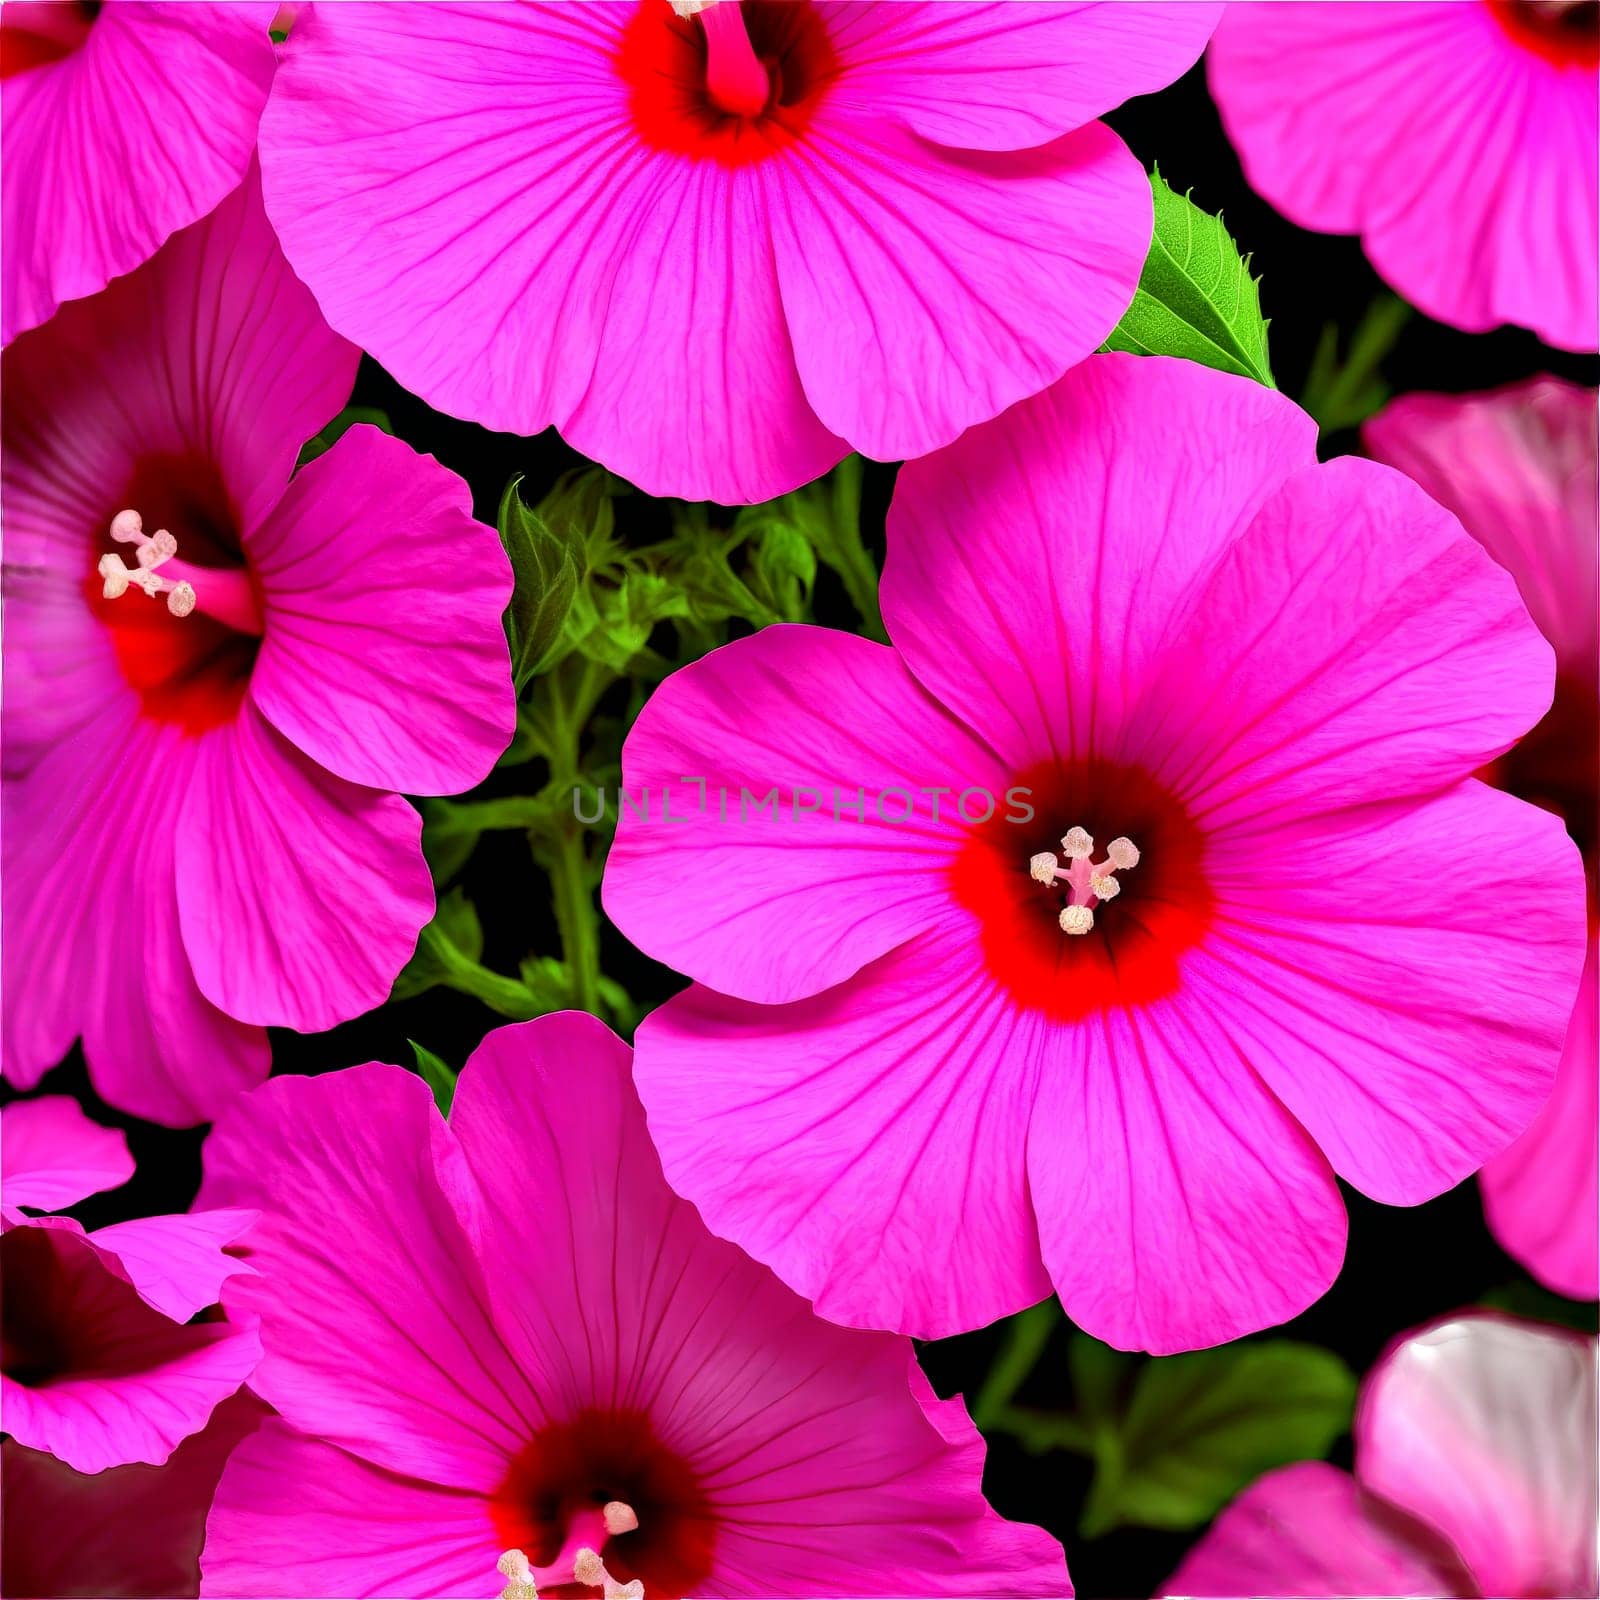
(558, 1484)
(33, 33)
(736, 83)
(1566, 32)
(189, 669)
(1130, 954)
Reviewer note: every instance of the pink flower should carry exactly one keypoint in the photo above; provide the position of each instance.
(127, 1531)
(720, 250)
(505, 1341)
(124, 122)
(201, 833)
(1519, 468)
(1457, 137)
(928, 1068)
(101, 1365)
(1475, 1475)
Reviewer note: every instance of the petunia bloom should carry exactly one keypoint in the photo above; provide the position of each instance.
(124, 123)
(720, 249)
(1474, 1475)
(503, 1349)
(101, 1364)
(1135, 891)
(1457, 137)
(217, 675)
(1519, 468)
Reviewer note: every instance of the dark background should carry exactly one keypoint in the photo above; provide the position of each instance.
(1403, 1266)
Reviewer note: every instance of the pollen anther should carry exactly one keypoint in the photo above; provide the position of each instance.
(154, 551)
(1088, 882)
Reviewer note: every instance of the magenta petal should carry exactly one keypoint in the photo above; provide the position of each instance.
(1029, 549)
(1310, 1530)
(1179, 1205)
(54, 1156)
(823, 878)
(384, 657)
(131, 1532)
(1413, 1039)
(139, 132)
(289, 1504)
(1037, 255)
(1484, 1428)
(866, 1144)
(372, 1305)
(1540, 1197)
(1004, 77)
(349, 889)
(178, 1263)
(95, 1375)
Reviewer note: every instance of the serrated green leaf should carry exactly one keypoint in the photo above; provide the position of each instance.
(544, 565)
(1199, 1427)
(438, 1075)
(321, 443)
(1196, 298)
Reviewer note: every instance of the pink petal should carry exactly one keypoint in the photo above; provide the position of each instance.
(95, 1375)
(1309, 1530)
(1484, 1428)
(384, 656)
(1004, 77)
(483, 167)
(1272, 700)
(926, 293)
(1462, 158)
(1518, 467)
(1030, 547)
(177, 1263)
(1540, 1197)
(829, 1466)
(80, 906)
(293, 1515)
(349, 889)
(1179, 1205)
(868, 1144)
(1413, 1036)
(54, 1156)
(808, 890)
(139, 132)
(373, 1309)
(129, 1531)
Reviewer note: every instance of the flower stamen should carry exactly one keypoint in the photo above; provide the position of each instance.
(579, 1560)
(1088, 882)
(225, 594)
(737, 80)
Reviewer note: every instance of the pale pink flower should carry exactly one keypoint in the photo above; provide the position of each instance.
(1457, 137)
(201, 831)
(927, 1069)
(503, 1349)
(719, 250)
(124, 122)
(1519, 468)
(1474, 1475)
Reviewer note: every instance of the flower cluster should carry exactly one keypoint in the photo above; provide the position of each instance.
(1248, 842)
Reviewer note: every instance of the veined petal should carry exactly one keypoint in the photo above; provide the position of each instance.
(55, 1156)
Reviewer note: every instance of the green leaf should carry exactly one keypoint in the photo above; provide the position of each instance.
(1199, 1427)
(1526, 1299)
(1099, 1376)
(454, 938)
(1196, 298)
(439, 1077)
(544, 564)
(321, 443)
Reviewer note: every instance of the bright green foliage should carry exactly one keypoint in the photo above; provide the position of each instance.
(1196, 298)
(438, 1075)
(544, 565)
(321, 443)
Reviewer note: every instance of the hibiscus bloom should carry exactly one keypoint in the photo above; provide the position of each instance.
(1457, 137)
(929, 1066)
(200, 833)
(101, 1365)
(505, 1343)
(1518, 467)
(124, 122)
(720, 250)
(1474, 1475)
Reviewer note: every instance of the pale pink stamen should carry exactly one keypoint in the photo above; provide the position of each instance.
(1088, 881)
(221, 593)
(579, 1561)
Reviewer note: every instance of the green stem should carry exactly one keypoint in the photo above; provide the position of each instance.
(1027, 1334)
(1040, 1432)
(1341, 395)
(575, 915)
(508, 997)
(846, 553)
